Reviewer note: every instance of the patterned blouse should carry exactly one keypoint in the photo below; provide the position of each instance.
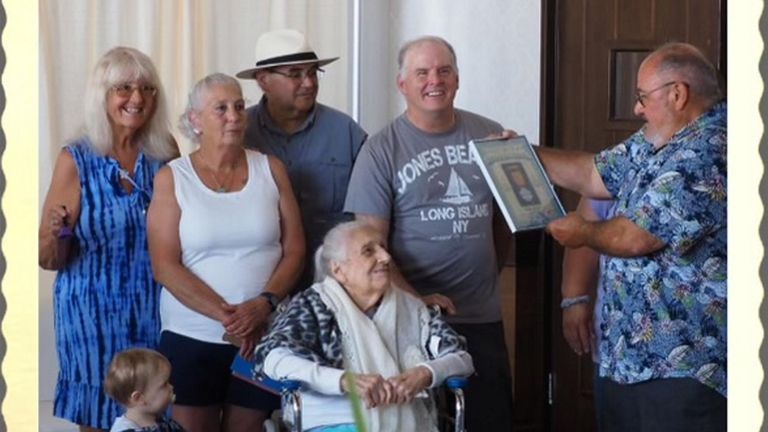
(664, 314)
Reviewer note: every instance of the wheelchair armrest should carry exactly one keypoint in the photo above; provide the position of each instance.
(290, 385)
(283, 385)
(456, 382)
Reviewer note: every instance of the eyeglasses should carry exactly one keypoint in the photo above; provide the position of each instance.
(126, 89)
(300, 74)
(641, 96)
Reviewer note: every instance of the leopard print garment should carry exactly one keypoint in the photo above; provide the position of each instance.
(309, 330)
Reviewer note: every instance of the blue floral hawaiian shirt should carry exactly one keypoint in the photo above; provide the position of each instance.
(664, 314)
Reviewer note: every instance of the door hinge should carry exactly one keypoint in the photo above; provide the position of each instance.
(550, 388)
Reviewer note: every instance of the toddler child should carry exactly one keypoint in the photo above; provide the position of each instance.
(138, 380)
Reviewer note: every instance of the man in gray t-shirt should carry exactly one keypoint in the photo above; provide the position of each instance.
(440, 210)
(417, 182)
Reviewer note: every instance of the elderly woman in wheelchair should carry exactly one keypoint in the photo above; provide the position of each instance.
(354, 328)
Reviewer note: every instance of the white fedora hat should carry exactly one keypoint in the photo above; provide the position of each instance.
(280, 48)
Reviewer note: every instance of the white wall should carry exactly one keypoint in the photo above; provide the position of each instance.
(497, 43)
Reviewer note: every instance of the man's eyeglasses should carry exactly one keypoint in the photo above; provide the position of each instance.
(126, 90)
(300, 74)
(641, 96)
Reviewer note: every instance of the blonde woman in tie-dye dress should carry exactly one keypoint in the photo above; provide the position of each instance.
(93, 232)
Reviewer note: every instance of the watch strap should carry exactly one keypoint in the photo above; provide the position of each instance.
(271, 299)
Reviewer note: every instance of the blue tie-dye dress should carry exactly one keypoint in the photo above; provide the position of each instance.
(105, 300)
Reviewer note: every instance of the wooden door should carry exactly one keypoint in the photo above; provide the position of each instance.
(590, 53)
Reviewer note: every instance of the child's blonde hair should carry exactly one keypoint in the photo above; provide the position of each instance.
(131, 370)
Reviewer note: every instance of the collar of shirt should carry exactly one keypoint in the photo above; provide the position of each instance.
(266, 121)
(714, 117)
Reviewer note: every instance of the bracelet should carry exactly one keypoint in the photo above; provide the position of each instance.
(571, 301)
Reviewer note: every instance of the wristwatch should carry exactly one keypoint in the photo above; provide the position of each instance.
(271, 299)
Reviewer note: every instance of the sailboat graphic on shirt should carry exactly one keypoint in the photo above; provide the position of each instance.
(457, 191)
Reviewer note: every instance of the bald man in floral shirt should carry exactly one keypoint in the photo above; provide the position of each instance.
(662, 339)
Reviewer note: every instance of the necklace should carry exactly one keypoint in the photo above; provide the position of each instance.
(219, 187)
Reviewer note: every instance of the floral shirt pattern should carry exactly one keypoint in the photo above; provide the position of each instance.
(664, 314)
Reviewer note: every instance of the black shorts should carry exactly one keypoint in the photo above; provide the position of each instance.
(201, 375)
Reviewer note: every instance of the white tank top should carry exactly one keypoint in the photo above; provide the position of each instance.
(230, 240)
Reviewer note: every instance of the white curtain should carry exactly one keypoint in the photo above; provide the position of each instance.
(186, 39)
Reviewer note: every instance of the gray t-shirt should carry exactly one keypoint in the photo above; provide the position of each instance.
(439, 207)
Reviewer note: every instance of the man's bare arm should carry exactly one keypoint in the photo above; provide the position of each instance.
(581, 268)
(574, 170)
(616, 237)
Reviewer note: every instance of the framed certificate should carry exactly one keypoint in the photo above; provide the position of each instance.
(518, 182)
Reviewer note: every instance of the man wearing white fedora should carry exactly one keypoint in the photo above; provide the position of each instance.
(317, 144)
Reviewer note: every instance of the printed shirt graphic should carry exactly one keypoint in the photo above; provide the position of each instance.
(664, 314)
(440, 210)
(457, 191)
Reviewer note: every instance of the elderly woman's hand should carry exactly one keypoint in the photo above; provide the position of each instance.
(409, 383)
(373, 389)
(248, 318)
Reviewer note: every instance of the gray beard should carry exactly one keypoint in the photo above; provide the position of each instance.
(654, 137)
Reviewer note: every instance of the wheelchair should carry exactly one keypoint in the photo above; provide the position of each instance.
(290, 397)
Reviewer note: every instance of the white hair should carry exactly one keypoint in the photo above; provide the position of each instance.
(334, 247)
(407, 46)
(688, 64)
(195, 101)
(120, 65)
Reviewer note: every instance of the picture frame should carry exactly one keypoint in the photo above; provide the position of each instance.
(518, 181)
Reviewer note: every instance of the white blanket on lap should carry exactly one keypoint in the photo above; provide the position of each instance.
(385, 344)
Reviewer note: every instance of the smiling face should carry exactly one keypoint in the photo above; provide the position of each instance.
(129, 110)
(365, 270)
(221, 117)
(429, 79)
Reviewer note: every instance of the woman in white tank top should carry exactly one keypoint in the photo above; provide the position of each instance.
(226, 243)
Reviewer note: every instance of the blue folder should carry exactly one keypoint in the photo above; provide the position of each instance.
(243, 369)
